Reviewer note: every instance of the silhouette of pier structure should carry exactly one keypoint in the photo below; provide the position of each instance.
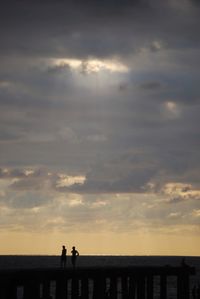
(95, 282)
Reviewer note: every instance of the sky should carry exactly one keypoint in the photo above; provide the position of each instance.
(100, 127)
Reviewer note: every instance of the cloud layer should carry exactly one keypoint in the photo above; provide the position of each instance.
(100, 110)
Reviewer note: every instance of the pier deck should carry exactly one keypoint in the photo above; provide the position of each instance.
(94, 283)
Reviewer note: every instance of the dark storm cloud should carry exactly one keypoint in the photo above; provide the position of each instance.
(196, 2)
(121, 130)
(151, 85)
(58, 68)
(61, 28)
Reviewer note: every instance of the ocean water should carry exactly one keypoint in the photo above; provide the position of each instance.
(22, 262)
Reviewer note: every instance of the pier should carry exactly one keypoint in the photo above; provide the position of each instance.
(95, 283)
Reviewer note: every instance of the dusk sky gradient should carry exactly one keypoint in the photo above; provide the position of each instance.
(100, 127)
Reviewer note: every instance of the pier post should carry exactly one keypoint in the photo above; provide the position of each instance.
(11, 291)
(124, 286)
(132, 288)
(150, 287)
(75, 288)
(85, 287)
(2, 293)
(3, 289)
(32, 289)
(179, 286)
(46, 289)
(61, 288)
(186, 288)
(141, 287)
(99, 291)
(113, 287)
(183, 285)
(163, 287)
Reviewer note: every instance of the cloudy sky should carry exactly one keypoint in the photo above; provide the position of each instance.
(100, 127)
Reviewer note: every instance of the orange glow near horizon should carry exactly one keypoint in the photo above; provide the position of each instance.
(99, 244)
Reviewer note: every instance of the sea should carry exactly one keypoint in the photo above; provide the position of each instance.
(41, 261)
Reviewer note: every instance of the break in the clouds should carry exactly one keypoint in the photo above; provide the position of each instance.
(99, 113)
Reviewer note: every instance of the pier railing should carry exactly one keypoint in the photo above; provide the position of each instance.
(95, 283)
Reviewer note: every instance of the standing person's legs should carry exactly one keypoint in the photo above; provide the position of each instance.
(73, 261)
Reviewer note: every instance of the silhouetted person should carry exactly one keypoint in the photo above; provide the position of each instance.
(63, 258)
(75, 253)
